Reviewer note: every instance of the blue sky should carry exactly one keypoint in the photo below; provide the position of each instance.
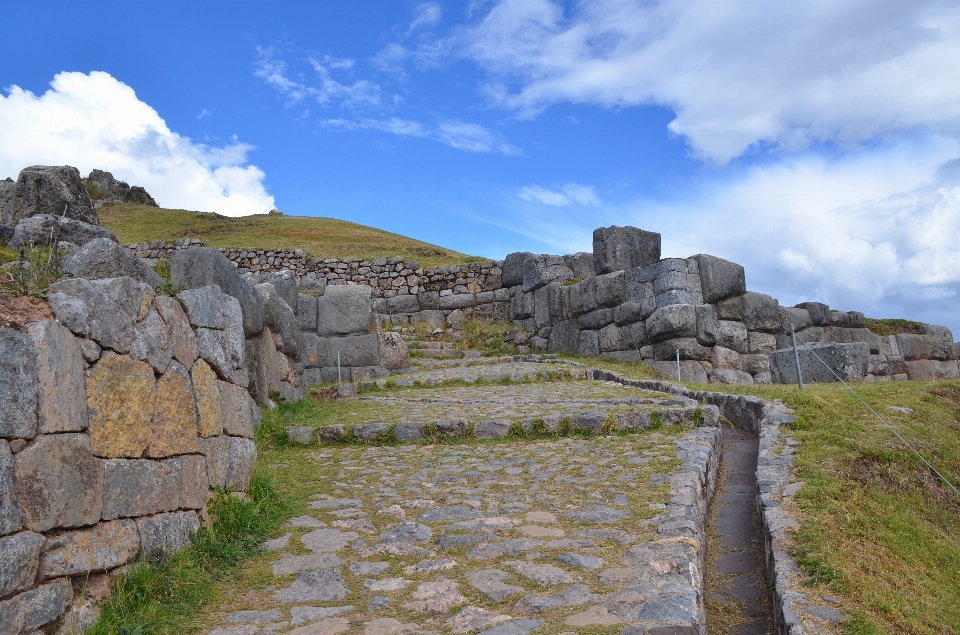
(816, 143)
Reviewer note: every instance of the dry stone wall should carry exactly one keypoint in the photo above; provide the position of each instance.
(117, 420)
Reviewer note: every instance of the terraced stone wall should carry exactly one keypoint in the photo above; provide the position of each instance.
(117, 419)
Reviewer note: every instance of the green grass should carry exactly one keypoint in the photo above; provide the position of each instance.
(877, 529)
(892, 326)
(321, 237)
(163, 595)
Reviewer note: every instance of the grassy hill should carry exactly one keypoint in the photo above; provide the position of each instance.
(321, 237)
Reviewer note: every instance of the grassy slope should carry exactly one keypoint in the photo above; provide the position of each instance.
(321, 237)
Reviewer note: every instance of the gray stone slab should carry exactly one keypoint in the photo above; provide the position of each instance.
(761, 313)
(674, 321)
(492, 584)
(599, 514)
(491, 428)
(253, 617)
(29, 610)
(618, 248)
(199, 266)
(104, 258)
(56, 190)
(41, 229)
(101, 547)
(513, 268)
(60, 483)
(573, 595)
(849, 361)
(311, 562)
(542, 269)
(457, 541)
(514, 627)
(324, 585)
(580, 560)
(720, 279)
(306, 312)
(19, 387)
(167, 533)
(279, 317)
(368, 568)
(19, 559)
(303, 614)
(407, 532)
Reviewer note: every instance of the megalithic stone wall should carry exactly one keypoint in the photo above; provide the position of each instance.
(117, 420)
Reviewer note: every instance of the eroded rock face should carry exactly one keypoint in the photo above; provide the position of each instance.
(18, 385)
(58, 482)
(103, 546)
(618, 248)
(44, 230)
(103, 258)
(18, 565)
(49, 189)
(61, 382)
(200, 266)
(25, 612)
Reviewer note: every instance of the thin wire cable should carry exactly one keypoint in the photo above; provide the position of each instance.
(889, 427)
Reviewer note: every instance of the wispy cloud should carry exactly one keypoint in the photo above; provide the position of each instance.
(457, 134)
(562, 196)
(425, 16)
(205, 113)
(319, 85)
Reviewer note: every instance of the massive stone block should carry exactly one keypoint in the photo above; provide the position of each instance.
(913, 346)
(182, 341)
(198, 267)
(595, 320)
(677, 320)
(850, 361)
(101, 547)
(589, 343)
(720, 279)
(139, 487)
(931, 369)
(19, 385)
(9, 507)
(307, 313)
(175, 414)
(240, 413)
(41, 230)
(582, 297)
(19, 560)
(358, 350)
(206, 390)
(62, 385)
(120, 401)
(819, 313)
(49, 189)
(458, 301)
(581, 263)
(402, 304)
(761, 313)
(284, 283)
(25, 612)
(230, 462)
(151, 341)
(541, 270)
(513, 268)
(618, 248)
(166, 533)
(214, 347)
(611, 289)
(522, 305)
(798, 318)
(344, 310)
(564, 337)
(689, 349)
(732, 335)
(58, 482)
(255, 362)
(610, 338)
(104, 258)
(707, 324)
(101, 317)
(633, 336)
(313, 351)
(492, 311)
(278, 315)
(393, 354)
(939, 340)
(630, 312)
(548, 305)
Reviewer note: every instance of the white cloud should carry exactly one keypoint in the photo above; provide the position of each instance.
(320, 86)
(427, 15)
(737, 74)
(567, 194)
(461, 135)
(95, 121)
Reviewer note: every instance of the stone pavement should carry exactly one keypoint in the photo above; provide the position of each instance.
(594, 535)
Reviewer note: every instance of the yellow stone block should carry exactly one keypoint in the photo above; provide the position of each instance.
(208, 399)
(174, 417)
(120, 397)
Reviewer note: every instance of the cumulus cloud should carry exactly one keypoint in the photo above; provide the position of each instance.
(567, 194)
(96, 121)
(457, 134)
(737, 74)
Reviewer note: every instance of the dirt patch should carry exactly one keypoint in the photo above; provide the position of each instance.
(17, 312)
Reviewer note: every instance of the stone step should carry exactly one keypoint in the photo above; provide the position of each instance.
(430, 345)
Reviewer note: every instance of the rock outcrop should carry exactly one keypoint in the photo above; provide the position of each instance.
(105, 186)
(46, 189)
(44, 230)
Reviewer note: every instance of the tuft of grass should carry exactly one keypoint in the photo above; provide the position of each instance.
(321, 237)
(160, 593)
(42, 268)
(892, 326)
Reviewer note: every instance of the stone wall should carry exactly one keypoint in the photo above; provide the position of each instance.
(387, 277)
(117, 420)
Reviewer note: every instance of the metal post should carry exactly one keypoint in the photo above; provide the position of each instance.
(796, 357)
(678, 366)
(339, 380)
